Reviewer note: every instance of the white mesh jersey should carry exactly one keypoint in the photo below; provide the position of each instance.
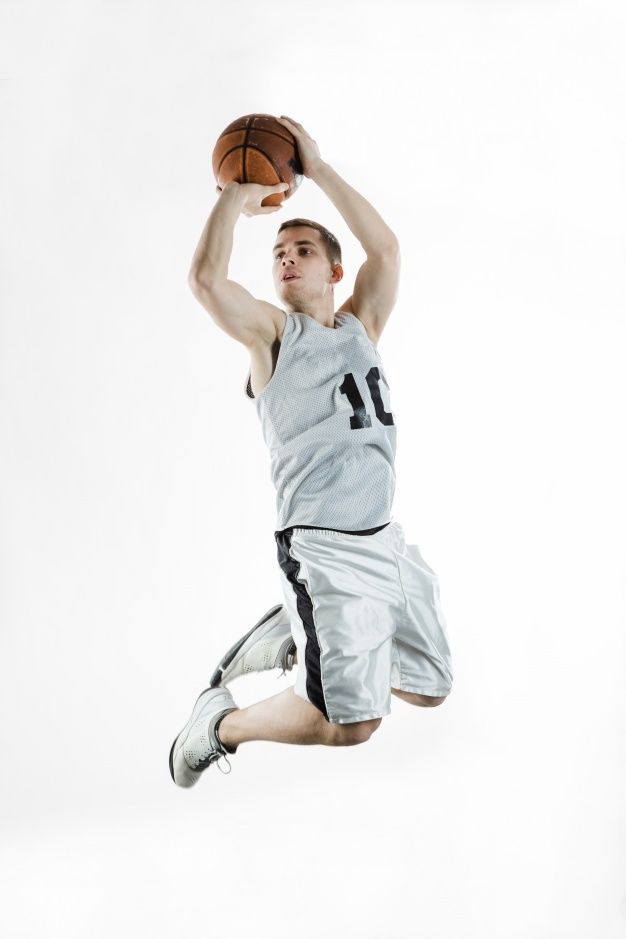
(327, 421)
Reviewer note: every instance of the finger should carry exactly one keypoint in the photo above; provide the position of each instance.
(277, 187)
(291, 121)
(270, 208)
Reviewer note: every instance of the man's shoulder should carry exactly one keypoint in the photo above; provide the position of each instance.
(347, 308)
(277, 317)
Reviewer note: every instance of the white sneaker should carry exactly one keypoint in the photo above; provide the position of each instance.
(269, 644)
(198, 745)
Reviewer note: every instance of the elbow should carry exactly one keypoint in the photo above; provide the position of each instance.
(388, 247)
(193, 277)
(392, 246)
(197, 281)
(387, 250)
(204, 280)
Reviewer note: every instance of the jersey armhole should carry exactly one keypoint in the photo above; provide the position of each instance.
(247, 389)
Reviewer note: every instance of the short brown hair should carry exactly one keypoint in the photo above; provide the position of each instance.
(332, 246)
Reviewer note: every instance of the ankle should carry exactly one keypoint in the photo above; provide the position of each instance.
(224, 733)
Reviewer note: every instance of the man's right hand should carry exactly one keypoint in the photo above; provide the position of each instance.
(253, 194)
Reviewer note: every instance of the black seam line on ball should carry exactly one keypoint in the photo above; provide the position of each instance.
(251, 146)
(261, 130)
(245, 147)
(291, 139)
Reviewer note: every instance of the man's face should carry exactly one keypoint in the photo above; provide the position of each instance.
(300, 253)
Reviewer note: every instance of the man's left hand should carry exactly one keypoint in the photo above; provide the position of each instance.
(307, 148)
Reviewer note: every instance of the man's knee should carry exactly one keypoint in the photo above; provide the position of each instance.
(423, 700)
(347, 735)
(429, 701)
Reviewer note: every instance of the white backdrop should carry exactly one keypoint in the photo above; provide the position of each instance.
(137, 506)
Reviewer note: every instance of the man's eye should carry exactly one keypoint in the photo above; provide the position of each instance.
(276, 257)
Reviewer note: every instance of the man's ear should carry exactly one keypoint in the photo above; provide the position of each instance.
(337, 274)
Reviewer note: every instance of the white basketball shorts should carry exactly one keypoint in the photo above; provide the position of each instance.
(365, 616)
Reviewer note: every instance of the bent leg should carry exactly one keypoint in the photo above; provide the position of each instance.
(287, 718)
(423, 700)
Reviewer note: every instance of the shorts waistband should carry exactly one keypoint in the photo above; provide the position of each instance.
(342, 531)
(333, 533)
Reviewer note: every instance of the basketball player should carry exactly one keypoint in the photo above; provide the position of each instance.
(362, 616)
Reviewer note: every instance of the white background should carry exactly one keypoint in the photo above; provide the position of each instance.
(137, 506)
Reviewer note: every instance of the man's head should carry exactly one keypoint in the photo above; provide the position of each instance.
(313, 254)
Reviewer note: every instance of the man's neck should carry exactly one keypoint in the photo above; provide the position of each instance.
(324, 316)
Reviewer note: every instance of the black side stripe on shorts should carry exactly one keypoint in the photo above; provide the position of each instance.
(304, 605)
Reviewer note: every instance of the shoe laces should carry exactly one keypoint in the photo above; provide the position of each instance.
(221, 752)
(288, 661)
(223, 756)
(214, 757)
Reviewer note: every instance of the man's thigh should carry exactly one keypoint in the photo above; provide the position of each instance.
(342, 594)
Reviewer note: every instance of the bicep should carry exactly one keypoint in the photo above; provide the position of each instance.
(236, 311)
(376, 289)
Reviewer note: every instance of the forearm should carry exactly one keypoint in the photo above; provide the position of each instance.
(362, 218)
(212, 256)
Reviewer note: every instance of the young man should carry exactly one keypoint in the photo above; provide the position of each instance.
(362, 615)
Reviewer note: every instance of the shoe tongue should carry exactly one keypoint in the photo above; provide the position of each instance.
(224, 747)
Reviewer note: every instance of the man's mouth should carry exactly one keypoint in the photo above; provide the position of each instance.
(291, 277)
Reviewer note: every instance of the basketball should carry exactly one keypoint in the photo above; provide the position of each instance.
(256, 148)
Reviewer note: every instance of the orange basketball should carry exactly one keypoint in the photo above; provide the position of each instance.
(256, 148)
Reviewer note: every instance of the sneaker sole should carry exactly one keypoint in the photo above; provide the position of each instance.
(232, 652)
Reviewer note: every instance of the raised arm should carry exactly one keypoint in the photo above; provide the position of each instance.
(377, 281)
(231, 306)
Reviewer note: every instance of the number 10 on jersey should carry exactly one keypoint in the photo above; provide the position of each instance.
(361, 418)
